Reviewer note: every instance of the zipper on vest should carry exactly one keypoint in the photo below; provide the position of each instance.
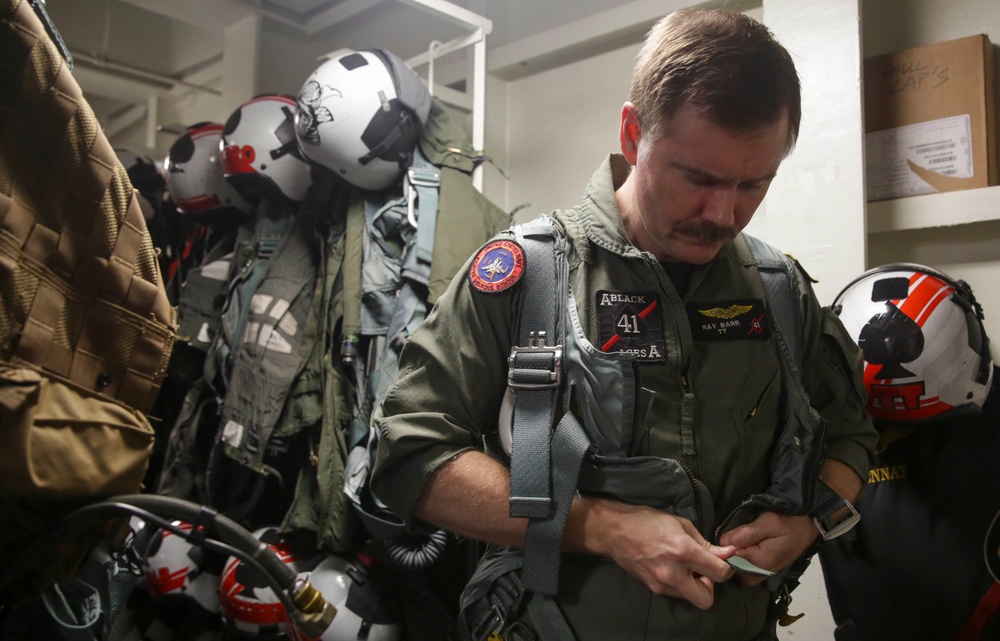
(688, 449)
(703, 526)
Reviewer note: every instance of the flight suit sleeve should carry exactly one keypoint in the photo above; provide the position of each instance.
(833, 379)
(453, 377)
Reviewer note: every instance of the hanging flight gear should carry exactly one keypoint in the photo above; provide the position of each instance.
(511, 582)
(85, 326)
(268, 333)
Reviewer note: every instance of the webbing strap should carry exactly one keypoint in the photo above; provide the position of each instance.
(422, 182)
(541, 552)
(545, 465)
(780, 285)
(533, 366)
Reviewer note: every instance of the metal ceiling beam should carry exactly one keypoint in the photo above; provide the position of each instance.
(579, 39)
(195, 12)
(337, 14)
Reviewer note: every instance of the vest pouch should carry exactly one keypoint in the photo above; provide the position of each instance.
(61, 442)
(649, 480)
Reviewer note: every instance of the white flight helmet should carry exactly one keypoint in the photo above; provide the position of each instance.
(361, 612)
(194, 173)
(360, 115)
(260, 155)
(926, 352)
(176, 570)
(249, 605)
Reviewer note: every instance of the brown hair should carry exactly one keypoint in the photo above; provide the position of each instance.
(726, 64)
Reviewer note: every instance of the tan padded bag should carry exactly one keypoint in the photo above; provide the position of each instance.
(85, 326)
(81, 296)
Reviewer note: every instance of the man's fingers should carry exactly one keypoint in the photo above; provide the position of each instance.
(741, 537)
(699, 590)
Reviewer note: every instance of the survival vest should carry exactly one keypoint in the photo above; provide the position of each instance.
(549, 464)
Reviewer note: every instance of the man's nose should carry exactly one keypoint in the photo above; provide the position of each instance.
(720, 207)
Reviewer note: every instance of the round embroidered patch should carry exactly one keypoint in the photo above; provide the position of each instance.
(497, 266)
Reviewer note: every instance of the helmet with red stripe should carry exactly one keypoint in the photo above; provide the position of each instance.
(260, 154)
(926, 353)
(250, 608)
(194, 173)
(174, 569)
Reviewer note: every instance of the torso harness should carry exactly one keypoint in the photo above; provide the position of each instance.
(548, 465)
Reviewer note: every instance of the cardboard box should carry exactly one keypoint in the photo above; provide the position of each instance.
(930, 119)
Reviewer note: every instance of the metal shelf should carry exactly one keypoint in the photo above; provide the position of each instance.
(934, 210)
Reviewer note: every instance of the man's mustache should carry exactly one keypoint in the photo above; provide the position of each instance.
(706, 232)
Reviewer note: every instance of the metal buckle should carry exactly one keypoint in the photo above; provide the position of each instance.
(830, 531)
(418, 178)
(536, 346)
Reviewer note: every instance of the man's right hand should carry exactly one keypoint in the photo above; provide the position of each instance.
(665, 552)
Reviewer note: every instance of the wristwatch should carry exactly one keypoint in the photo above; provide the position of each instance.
(834, 515)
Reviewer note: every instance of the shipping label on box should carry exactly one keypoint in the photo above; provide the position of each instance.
(919, 159)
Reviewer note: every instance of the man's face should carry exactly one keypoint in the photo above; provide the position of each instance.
(697, 185)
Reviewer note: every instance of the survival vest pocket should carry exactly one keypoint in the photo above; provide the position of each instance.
(59, 441)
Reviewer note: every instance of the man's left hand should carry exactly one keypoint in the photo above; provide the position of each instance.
(771, 541)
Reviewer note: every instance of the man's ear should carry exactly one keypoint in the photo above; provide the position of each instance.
(629, 133)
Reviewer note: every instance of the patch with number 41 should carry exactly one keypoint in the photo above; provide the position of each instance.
(630, 322)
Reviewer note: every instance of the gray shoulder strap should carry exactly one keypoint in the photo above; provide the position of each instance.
(545, 464)
(777, 272)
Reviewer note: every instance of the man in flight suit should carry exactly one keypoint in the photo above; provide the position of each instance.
(663, 285)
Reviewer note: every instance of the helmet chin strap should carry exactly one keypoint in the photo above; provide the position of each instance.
(965, 299)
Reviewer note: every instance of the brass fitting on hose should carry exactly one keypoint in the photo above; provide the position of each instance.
(313, 614)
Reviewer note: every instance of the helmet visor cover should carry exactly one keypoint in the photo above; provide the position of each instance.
(923, 344)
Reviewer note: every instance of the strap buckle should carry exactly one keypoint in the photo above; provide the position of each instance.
(419, 177)
(830, 526)
(829, 513)
(535, 367)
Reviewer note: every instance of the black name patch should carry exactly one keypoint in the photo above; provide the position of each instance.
(728, 320)
(630, 322)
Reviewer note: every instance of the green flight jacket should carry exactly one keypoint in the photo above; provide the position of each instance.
(453, 377)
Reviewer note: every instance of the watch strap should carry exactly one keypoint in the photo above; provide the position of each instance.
(833, 515)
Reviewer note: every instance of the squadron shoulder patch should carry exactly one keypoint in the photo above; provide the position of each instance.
(630, 322)
(728, 320)
(497, 266)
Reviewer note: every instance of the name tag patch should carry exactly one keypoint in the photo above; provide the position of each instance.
(728, 320)
(630, 322)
